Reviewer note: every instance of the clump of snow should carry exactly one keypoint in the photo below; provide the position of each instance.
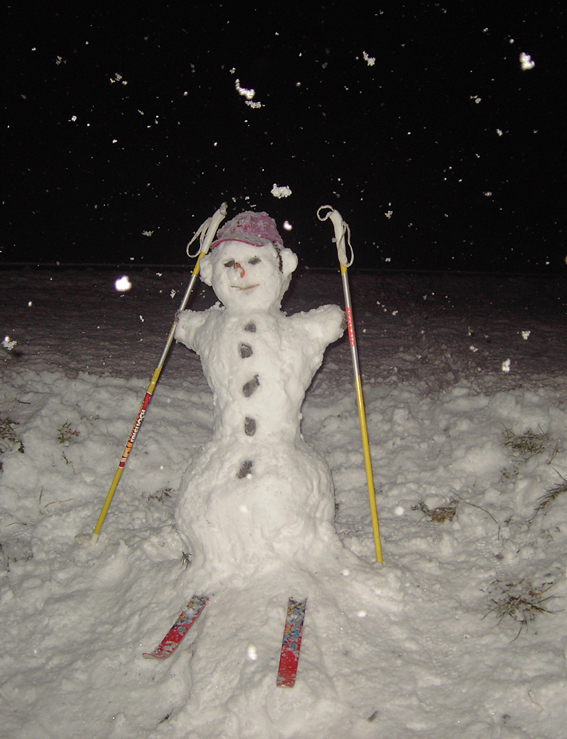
(447, 640)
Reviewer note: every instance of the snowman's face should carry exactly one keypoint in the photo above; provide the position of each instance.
(246, 277)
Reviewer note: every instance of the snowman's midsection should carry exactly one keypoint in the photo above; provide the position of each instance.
(238, 470)
(256, 492)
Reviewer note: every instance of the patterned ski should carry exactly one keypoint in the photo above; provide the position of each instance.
(291, 644)
(174, 636)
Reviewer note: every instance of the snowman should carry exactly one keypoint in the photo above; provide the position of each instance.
(258, 495)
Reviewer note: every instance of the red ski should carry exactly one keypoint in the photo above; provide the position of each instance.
(174, 636)
(291, 644)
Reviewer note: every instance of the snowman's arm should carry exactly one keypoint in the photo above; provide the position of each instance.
(323, 325)
(189, 322)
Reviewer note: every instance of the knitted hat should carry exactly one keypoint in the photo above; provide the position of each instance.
(257, 229)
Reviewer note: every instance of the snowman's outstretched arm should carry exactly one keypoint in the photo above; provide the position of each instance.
(324, 325)
(188, 324)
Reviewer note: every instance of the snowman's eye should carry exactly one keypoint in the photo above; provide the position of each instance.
(230, 263)
(254, 260)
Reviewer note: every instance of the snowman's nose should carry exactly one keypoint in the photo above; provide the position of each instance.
(240, 269)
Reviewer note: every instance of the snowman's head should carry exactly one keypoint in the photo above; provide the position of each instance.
(248, 266)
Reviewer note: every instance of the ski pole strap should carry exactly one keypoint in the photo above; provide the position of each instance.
(342, 235)
(206, 232)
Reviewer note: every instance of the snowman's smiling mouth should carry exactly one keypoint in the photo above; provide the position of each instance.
(248, 287)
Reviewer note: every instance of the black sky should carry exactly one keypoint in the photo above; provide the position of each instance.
(414, 119)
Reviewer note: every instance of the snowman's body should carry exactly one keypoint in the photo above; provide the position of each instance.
(257, 493)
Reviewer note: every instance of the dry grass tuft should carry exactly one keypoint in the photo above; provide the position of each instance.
(66, 433)
(521, 601)
(8, 437)
(162, 496)
(440, 514)
(549, 496)
(527, 444)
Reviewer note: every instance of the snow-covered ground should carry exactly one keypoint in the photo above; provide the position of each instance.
(461, 632)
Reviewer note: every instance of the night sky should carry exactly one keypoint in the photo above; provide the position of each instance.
(126, 127)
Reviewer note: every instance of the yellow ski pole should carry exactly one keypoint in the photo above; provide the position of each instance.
(342, 229)
(207, 233)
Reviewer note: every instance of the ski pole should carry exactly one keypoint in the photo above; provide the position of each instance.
(342, 229)
(206, 232)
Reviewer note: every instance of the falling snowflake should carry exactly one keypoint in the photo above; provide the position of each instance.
(122, 284)
(370, 60)
(247, 93)
(8, 343)
(118, 78)
(281, 191)
(147, 233)
(526, 61)
(506, 365)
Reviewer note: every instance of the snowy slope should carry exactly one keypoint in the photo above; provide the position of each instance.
(460, 632)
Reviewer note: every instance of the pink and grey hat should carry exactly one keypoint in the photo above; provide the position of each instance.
(257, 229)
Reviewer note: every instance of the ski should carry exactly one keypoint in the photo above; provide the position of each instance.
(173, 638)
(291, 643)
